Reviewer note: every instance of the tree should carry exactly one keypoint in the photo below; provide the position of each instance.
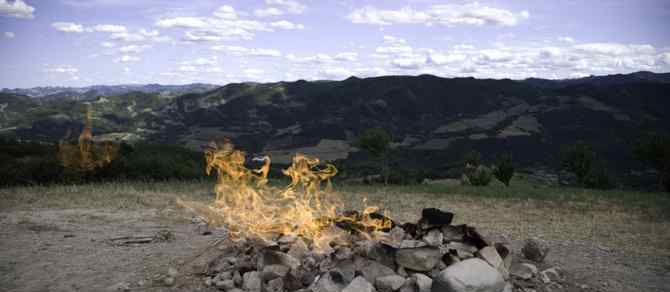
(377, 141)
(578, 159)
(656, 151)
(474, 172)
(473, 158)
(503, 169)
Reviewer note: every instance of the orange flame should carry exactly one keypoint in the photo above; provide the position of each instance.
(86, 155)
(249, 208)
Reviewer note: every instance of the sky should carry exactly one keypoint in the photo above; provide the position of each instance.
(87, 42)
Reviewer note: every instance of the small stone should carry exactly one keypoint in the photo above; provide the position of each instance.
(434, 237)
(371, 270)
(172, 272)
(343, 253)
(389, 283)
(397, 234)
(409, 286)
(275, 285)
(271, 272)
(225, 284)
(289, 238)
(553, 274)
(298, 249)
(251, 281)
(523, 271)
(401, 271)
(418, 259)
(119, 287)
(433, 216)
(535, 249)
(452, 233)
(271, 257)
(237, 278)
(168, 281)
(508, 287)
(423, 282)
(359, 284)
(468, 276)
(329, 282)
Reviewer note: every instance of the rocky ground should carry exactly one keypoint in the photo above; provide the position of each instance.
(98, 249)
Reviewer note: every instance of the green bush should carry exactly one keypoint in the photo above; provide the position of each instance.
(477, 176)
(578, 159)
(377, 142)
(598, 178)
(656, 151)
(503, 169)
(473, 158)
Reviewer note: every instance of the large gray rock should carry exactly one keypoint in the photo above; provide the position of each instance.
(535, 249)
(523, 271)
(491, 256)
(389, 283)
(252, 281)
(434, 237)
(418, 259)
(359, 284)
(471, 275)
(329, 282)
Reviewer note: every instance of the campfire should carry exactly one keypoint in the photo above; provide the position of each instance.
(86, 154)
(298, 238)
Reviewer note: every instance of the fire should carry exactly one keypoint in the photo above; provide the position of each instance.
(87, 154)
(249, 208)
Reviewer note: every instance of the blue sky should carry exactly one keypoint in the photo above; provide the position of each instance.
(86, 42)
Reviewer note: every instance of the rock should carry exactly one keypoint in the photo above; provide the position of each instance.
(523, 271)
(275, 285)
(505, 254)
(298, 249)
(347, 268)
(436, 217)
(271, 257)
(225, 284)
(472, 275)
(235, 290)
(423, 282)
(418, 259)
(237, 278)
(461, 250)
(409, 286)
(508, 287)
(251, 281)
(329, 282)
(172, 272)
(397, 234)
(550, 275)
(452, 233)
(371, 270)
(491, 256)
(411, 243)
(389, 283)
(271, 272)
(168, 281)
(434, 237)
(383, 254)
(285, 239)
(343, 253)
(359, 284)
(535, 249)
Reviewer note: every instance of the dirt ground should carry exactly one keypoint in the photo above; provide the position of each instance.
(58, 249)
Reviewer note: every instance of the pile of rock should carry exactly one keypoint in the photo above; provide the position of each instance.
(431, 255)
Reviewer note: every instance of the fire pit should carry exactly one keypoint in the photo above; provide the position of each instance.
(297, 239)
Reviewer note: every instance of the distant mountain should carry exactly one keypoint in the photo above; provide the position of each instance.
(433, 120)
(91, 92)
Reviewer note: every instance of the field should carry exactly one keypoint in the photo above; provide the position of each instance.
(57, 238)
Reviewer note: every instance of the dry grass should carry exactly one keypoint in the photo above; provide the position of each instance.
(604, 218)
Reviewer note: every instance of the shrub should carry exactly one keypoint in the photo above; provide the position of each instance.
(578, 159)
(656, 151)
(477, 176)
(377, 141)
(503, 169)
(473, 158)
(598, 178)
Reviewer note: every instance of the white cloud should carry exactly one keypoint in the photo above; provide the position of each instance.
(370, 72)
(187, 68)
(61, 69)
(334, 73)
(242, 51)
(108, 44)
(283, 24)
(68, 27)
(127, 37)
(394, 40)
(226, 12)
(16, 9)
(446, 58)
(291, 6)
(9, 35)
(409, 62)
(253, 73)
(134, 49)
(149, 33)
(181, 22)
(444, 14)
(127, 59)
(346, 56)
(614, 48)
(566, 39)
(269, 11)
(109, 28)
